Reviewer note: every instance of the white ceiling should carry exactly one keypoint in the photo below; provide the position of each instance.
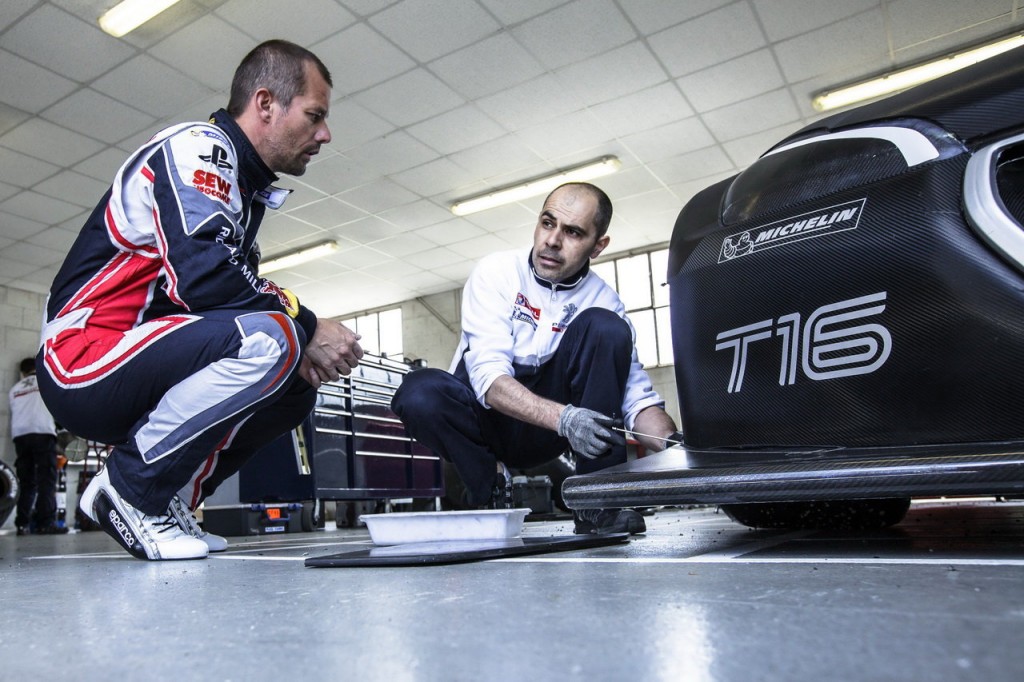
(436, 100)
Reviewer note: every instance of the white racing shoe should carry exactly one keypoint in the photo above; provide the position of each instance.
(157, 538)
(187, 520)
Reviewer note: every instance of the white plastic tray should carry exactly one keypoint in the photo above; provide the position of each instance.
(482, 524)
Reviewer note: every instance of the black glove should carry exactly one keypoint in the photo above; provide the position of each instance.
(589, 433)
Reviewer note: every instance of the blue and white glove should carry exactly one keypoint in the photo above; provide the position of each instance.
(589, 432)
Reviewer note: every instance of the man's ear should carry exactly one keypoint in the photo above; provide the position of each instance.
(600, 246)
(264, 101)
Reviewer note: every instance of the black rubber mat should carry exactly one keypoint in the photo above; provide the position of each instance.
(454, 552)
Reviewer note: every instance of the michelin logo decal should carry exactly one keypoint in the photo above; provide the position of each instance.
(805, 226)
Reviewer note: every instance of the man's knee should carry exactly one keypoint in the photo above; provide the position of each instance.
(422, 393)
(605, 325)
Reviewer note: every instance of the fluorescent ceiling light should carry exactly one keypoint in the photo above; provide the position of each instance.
(915, 75)
(297, 257)
(128, 15)
(532, 188)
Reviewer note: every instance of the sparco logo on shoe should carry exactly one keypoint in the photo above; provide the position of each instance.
(121, 527)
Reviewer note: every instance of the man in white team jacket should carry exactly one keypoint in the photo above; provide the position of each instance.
(546, 362)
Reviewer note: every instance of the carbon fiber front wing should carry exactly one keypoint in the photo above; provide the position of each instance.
(676, 476)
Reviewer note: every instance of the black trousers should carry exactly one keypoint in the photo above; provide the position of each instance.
(36, 465)
(589, 369)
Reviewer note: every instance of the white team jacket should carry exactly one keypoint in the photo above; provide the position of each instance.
(512, 322)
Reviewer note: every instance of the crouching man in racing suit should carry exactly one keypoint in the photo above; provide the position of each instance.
(161, 338)
(546, 361)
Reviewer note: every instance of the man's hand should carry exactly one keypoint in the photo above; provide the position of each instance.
(332, 352)
(589, 432)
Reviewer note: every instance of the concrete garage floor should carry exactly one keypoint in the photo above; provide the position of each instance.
(939, 597)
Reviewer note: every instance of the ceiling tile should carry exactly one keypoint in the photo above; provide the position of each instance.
(698, 44)
(18, 228)
(102, 165)
(416, 215)
(520, 10)
(753, 115)
(848, 41)
(10, 117)
(652, 17)
(404, 246)
(280, 232)
(478, 247)
(427, 30)
(456, 130)
(573, 32)
(11, 10)
(368, 230)
(434, 177)
(783, 20)
(39, 207)
(151, 86)
(214, 65)
(359, 57)
(352, 125)
(28, 87)
(490, 66)
(33, 254)
(612, 74)
(365, 8)
(391, 154)
(23, 171)
(50, 142)
(918, 21)
(377, 196)
(90, 53)
(326, 212)
(669, 140)
(73, 187)
(98, 116)
(439, 257)
(334, 173)
(265, 20)
(529, 103)
(393, 101)
(450, 231)
(566, 135)
(58, 239)
(13, 268)
(643, 110)
(491, 161)
(733, 81)
(692, 166)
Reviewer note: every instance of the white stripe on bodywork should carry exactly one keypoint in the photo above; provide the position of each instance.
(915, 147)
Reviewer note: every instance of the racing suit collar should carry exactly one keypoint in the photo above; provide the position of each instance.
(251, 166)
(567, 283)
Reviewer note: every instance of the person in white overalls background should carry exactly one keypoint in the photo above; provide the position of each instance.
(35, 445)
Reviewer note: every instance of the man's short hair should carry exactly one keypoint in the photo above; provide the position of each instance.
(27, 366)
(277, 65)
(603, 216)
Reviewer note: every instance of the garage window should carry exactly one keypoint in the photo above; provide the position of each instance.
(381, 332)
(640, 281)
